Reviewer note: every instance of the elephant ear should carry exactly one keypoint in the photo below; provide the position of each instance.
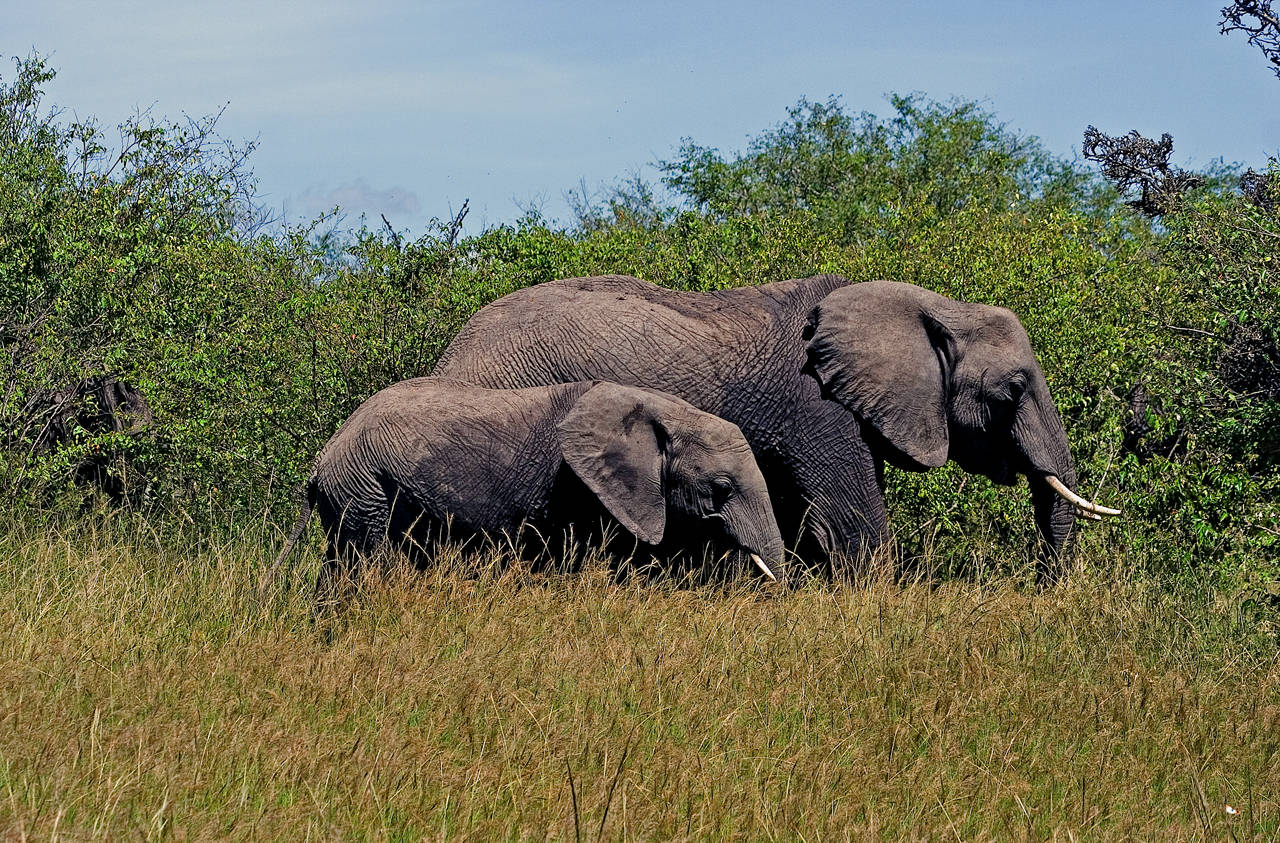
(876, 349)
(613, 440)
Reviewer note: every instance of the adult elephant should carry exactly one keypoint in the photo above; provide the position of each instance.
(827, 379)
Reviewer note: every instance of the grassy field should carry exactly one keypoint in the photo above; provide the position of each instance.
(144, 692)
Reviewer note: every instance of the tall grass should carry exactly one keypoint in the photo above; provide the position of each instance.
(145, 692)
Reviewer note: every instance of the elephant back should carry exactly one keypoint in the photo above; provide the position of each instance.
(707, 348)
(485, 456)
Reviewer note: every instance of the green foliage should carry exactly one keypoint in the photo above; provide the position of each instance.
(861, 176)
(127, 261)
(146, 262)
(1221, 355)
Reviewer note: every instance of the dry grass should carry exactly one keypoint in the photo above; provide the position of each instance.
(144, 693)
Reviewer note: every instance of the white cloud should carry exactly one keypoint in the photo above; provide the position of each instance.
(297, 59)
(356, 197)
(507, 87)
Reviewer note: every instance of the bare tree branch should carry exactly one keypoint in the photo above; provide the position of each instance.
(455, 226)
(1132, 161)
(1256, 19)
(395, 237)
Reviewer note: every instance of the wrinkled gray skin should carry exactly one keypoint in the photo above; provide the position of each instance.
(431, 455)
(827, 379)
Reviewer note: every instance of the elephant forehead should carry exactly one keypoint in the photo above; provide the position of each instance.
(999, 326)
(724, 434)
(717, 447)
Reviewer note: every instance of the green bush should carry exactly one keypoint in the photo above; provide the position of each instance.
(149, 263)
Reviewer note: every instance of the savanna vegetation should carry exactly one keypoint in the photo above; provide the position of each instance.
(146, 691)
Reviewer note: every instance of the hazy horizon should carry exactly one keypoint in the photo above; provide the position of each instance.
(409, 109)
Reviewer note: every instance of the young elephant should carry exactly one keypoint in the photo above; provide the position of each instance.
(431, 454)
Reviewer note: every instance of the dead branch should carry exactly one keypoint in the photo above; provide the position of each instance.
(1256, 19)
(455, 226)
(395, 237)
(1133, 161)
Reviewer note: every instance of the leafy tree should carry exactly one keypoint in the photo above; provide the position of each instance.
(860, 175)
(127, 261)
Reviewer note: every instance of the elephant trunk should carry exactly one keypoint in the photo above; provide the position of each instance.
(1055, 519)
(756, 532)
(1042, 442)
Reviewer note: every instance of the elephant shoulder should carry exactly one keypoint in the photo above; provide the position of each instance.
(566, 296)
(804, 292)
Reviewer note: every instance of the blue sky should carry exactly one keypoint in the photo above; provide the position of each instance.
(409, 108)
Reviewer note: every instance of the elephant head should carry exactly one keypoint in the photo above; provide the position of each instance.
(94, 406)
(939, 379)
(653, 460)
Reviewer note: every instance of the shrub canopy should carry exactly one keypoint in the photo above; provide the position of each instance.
(148, 261)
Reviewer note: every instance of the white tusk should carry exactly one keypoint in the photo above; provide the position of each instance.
(764, 569)
(1089, 515)
(1080, 503)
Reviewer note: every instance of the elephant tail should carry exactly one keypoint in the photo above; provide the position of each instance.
(308, 504)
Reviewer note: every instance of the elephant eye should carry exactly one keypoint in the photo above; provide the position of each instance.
(721, 490)
(1001, 410)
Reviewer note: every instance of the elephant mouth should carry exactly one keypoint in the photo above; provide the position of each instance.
(1003, 474)
(1006, 473)
(998, 470)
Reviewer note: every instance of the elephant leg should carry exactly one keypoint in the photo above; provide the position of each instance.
(347, 553)
(835, 499)
(334, 575)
